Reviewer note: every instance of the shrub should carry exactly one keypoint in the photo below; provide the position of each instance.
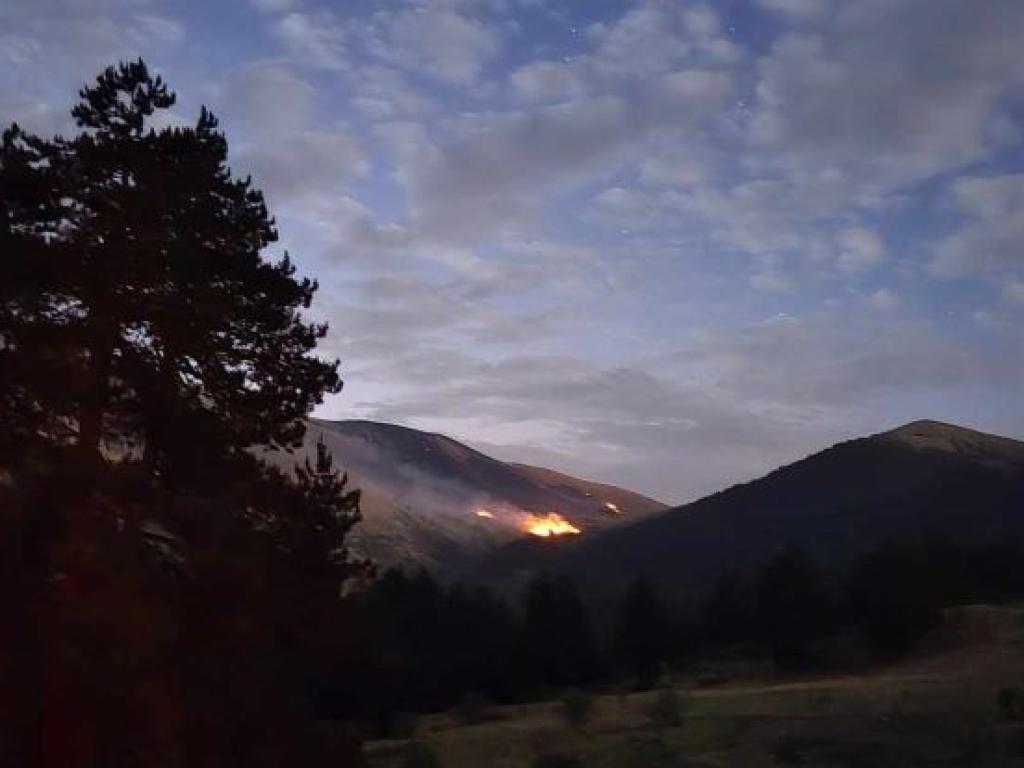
(421, 755)
(472, 709)
(666, 710)
(577, 708)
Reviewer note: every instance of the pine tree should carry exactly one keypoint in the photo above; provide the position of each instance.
(146, 348)
(794, 605)
(145, 252)
(558, 637)
(643, 633)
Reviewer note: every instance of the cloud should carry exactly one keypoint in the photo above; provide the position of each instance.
(799, 9)
(385, 94)
(883, 300)
(492, 176)
(860, 249)
(649, 40)
(441, 39)
(268, 110)
(266, 99)
(273, 6)
(549, 81)
(888, 93)
(68, 43)
(770, 281)
(306, 163)
(316, 41)
(1013, 292)
(726, 405)
(992, 238)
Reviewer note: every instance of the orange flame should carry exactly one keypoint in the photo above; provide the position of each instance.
(612, 508)
(551, 524)
(483, 512)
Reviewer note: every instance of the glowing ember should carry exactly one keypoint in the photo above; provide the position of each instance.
(551, 524)
(612, 508)
(481, 512)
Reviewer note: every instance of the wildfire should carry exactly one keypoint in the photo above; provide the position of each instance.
(612, 509)
(551, 524)
(482, 512)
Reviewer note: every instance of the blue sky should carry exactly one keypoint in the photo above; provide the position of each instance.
(666, 244)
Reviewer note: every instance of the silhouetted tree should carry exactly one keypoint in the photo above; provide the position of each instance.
(175, 592)
(895, 595)
(643, 634)
(419, 646)
(728, 611)
(139, 261)
(794, 605)
(558, 643)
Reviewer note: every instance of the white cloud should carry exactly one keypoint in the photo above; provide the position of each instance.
(1013, 292)
(493, 175)
(860, 249)
(438, 38)
(265, 100)
(883, 300)
(770, 282)
(726, 406)
(273, 6)
(68, 43)
(889, 93)
(800, 9)
(547, 81)
(269, 112)
(384, 94)
(160, 27)
(650, 40)
(305, 163)
(992, 239)
(316, 41)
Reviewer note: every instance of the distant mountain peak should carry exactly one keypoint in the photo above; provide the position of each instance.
(927, 434)
(432, 501)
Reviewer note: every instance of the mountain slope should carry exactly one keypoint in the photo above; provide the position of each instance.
(925, 478)
(422, 491)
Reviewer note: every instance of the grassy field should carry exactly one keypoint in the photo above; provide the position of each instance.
(939, 710)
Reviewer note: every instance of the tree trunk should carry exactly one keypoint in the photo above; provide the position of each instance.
(90, 420)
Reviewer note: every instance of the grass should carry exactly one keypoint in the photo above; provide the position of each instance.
(942, 710)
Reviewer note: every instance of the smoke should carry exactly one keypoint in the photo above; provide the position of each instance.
(444, 501)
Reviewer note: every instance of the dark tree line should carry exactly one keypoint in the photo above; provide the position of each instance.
(889, 598)
(167, 598)
(421, 646)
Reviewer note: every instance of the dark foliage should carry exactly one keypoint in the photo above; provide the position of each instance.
(417, 646)
(558, 642)
(793, 605)
(168, 598)
(896, 596)
(644, 635)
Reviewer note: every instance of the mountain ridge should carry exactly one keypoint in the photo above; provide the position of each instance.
(423, 492)
(924, 478)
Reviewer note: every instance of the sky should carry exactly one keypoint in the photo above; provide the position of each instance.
(664, 244)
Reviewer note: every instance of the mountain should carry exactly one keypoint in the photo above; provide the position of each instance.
(429, 500)
(923, 479)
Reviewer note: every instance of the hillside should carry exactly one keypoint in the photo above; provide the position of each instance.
(424, 494)
(925, 478)
(938, 709)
